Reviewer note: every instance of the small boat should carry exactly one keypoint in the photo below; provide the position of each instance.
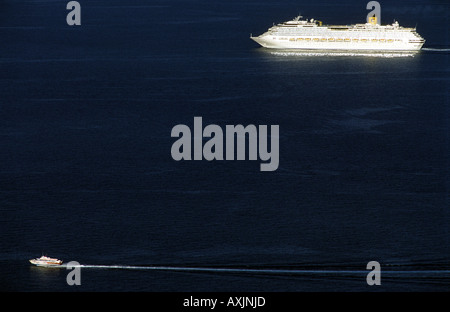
(46, 261)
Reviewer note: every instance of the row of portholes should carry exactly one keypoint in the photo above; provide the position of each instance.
(339, 40)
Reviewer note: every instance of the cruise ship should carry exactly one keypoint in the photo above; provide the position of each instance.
(46, 261)
(312, 35)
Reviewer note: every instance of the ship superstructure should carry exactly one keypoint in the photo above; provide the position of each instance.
(313, 35)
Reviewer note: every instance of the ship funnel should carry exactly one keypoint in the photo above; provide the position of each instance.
(374, 16)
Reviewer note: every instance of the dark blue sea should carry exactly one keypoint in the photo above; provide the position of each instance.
(87, 175)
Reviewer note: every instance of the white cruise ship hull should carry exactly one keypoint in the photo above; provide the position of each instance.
(359, 45)
(311, 35)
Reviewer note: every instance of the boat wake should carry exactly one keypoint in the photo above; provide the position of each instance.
(272, 271)
(436, 50)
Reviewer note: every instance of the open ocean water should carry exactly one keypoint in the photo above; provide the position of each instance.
(86, 173)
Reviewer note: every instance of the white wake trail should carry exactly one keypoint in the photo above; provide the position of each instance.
(265, 271)
(436, 50)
